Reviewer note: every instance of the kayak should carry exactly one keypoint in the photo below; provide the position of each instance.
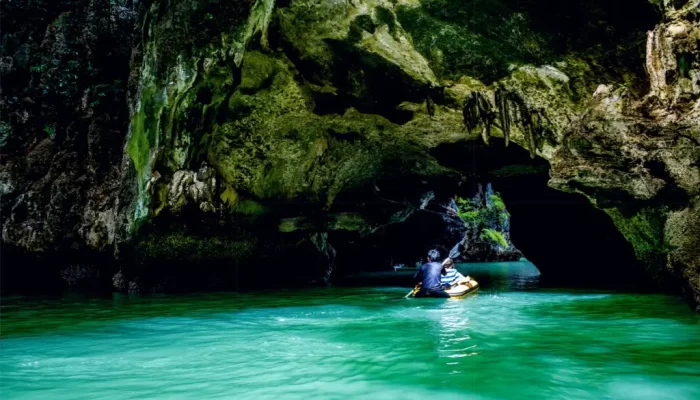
(458, 291)
(463, 289)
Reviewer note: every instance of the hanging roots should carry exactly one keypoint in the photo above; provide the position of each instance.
(478, 110)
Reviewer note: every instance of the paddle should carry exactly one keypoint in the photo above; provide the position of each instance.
(453, 253)
(412, 292)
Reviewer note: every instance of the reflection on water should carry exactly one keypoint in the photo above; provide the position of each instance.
(511, 275)
(502, 343)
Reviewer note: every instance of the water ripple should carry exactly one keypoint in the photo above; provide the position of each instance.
(352, 343)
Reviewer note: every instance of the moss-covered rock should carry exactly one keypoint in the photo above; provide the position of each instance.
(341, 94)
(487, 224)
(183, 246)
(263, 114)
(682, 234)
(644, 230)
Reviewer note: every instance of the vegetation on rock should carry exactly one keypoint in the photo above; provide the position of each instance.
(488, 224)
(254, 112)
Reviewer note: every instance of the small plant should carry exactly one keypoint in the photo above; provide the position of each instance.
(472, 216)
(487, 219)
(494, 236)
(50, 130)
(497, 202)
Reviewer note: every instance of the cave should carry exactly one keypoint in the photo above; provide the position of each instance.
(231, 198)
(571, 242)
(563, 234)
(324, 131)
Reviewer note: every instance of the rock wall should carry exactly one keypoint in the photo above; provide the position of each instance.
(637, 157)
(65, 70)
(262, 127)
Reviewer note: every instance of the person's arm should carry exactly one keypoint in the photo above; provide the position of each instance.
(418, 277)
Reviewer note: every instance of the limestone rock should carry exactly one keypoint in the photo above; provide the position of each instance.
(245, 109)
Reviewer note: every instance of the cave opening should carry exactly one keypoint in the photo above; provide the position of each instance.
(572, 243)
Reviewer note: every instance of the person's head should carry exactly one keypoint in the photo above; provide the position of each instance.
(449, 263)
(433, 255)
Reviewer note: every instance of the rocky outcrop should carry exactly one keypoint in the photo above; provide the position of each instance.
(290, 123)
(65, 71)
(487, 227)
(637, 158)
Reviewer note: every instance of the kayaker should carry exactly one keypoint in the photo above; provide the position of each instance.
(429, 276)
(452, 276)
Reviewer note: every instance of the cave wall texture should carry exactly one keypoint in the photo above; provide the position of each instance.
(145, 136)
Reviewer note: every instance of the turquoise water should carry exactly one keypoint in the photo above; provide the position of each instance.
(509, 341)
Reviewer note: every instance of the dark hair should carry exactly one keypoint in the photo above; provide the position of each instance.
(433, 255)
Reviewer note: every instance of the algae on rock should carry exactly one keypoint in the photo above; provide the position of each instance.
(243, 111)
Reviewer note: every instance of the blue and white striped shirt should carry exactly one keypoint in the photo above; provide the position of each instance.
(450, 277)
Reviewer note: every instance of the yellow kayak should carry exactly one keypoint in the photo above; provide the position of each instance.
(463, 289)
(458, 291)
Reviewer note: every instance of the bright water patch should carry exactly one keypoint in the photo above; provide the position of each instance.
(352, 343)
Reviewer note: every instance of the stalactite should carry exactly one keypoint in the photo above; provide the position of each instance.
(470, 112)
(430, 106)
(502, 104)
(535, 130)
(512, 109)
(527, 126)
(509, 109)
(478, 110)
(485, 115)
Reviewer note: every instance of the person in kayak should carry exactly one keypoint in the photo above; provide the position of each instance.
(429, 277)
(452, 277)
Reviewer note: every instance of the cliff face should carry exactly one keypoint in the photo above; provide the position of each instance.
(637, 157)
(263, 127)
(65, 69)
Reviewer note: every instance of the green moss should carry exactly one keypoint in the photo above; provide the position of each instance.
(471, 217)
(50, 131)
(474, 38)
(144, 130)
(497, 202)
(250, 208)
(386, 17)
(179, 246)
(361, 23)
(644, 230)
(494, 236)
(288, 225)
(258, 71)
(348, 222)
(161, 195)
(474, 216)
